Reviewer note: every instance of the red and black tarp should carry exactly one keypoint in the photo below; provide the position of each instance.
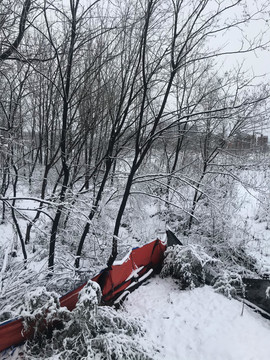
(113, 282)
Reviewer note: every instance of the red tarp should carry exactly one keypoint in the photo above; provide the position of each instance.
(113, 282)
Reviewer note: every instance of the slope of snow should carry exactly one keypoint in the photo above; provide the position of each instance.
(197, 324)
(194, 324)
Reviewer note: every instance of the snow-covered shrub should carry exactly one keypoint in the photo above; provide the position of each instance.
(40, 305)
(7, 315)
(183, 263)
(92, 332)
(230, 251)
(112, 336)
(42, 312)
(234, 257)
(89, 298)
(229, 284)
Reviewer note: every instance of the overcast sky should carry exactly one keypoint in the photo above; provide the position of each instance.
(256, 61)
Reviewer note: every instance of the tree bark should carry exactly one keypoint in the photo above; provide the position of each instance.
(13, 47)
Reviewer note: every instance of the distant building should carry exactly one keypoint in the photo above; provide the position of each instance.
(262, 142)
(247, 142)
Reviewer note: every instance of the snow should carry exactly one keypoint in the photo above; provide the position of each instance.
(134, 273)
(197, 324)
(194, 324)
(252, 216)
(123, 260)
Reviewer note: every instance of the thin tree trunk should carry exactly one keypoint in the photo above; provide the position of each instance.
(63, 142)
(14, 214)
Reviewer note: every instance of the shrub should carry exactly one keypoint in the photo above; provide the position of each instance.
(183, 263)
(90, 332)
(229, 284)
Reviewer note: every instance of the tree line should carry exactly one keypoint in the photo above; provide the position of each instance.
(91, 91)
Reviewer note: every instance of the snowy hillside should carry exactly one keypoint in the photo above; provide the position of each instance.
(194, 324)
(197, 324)
(119, 121)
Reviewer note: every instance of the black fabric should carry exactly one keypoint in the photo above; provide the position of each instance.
(256, 290)
(103, 278)
(172, 239)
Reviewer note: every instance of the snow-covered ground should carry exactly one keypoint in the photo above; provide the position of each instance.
(253, 217)
(197, 324)
(194, 324)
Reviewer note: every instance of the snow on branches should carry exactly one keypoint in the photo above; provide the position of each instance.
(184, 264)
(88, 332)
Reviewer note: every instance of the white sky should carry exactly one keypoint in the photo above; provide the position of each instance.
(256, 62)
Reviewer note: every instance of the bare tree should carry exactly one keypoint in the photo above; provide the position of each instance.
(185, 47)
(107, 84)
(8, 45)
